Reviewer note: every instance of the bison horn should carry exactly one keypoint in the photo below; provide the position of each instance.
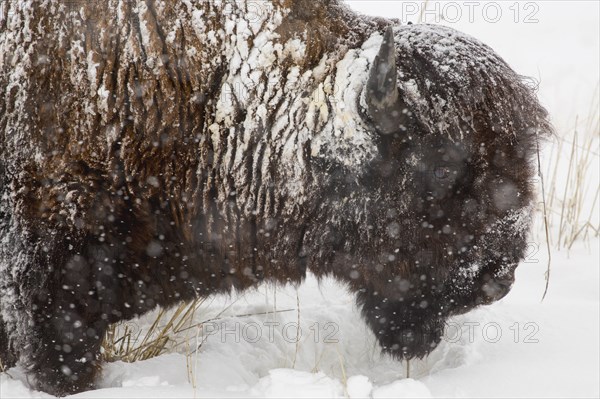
(382, 97)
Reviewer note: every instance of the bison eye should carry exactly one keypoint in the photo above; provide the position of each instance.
(442, 172)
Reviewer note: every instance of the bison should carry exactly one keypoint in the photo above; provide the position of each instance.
(156, 151)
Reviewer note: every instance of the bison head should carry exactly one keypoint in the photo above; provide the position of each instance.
(437, 223)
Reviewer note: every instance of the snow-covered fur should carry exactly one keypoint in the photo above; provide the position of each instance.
(156, 151)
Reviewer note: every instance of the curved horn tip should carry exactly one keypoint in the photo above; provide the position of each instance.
(381, 84)
(388, 36)
(382, 96)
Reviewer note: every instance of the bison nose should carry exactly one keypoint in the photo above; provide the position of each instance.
(497, 288)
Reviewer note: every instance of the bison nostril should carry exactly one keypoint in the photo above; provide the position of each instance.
(497, 289)
(505, 283)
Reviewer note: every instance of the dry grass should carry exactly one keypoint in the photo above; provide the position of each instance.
(176, 329)
(571, 174)
(128, 343)
(569, 187)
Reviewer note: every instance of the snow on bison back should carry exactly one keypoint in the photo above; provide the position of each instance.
(153, 152)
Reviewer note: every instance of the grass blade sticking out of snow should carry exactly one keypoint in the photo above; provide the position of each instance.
(545, 215)
(297, 332)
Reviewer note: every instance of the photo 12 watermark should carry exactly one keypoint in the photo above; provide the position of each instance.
(252, 332)
(452, 12)
(328, 332)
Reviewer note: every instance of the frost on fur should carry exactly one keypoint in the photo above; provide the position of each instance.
(153, 152)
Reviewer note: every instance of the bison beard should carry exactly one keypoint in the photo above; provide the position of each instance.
(152, 152)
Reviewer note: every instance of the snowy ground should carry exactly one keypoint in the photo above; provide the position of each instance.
(518, 347)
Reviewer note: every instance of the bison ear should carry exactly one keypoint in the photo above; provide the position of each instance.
(382, 97)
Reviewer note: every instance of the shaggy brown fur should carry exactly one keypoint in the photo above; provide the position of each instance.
(129, 180)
